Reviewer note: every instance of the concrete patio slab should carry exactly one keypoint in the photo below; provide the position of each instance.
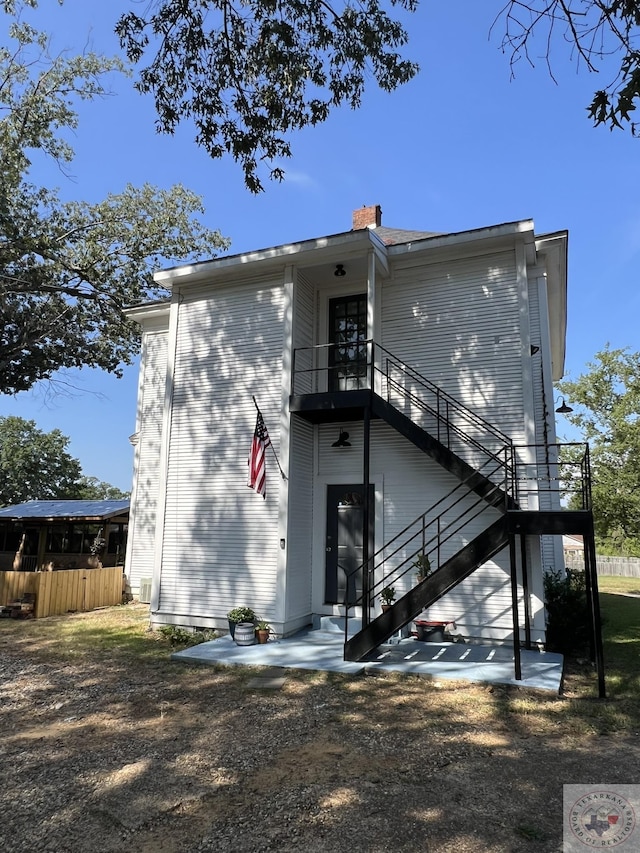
(306, 650)
(322, 650)
(491, 664)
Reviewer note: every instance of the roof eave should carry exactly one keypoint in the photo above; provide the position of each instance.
(522, 227)
(206, 270)
(158, 310)
(554, 249)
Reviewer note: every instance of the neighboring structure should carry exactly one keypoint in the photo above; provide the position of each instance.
(436, 353)
(573, 547)
(49, 535)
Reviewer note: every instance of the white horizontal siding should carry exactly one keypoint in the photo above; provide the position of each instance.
(413, 484)
(300, 521)
(142, 527)
(481, 605)
(457, 323)
(221, 544)
(303, 335)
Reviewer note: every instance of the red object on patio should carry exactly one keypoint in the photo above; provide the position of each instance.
(430, 632)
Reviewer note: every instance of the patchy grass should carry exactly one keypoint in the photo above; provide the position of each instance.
(111, 632)
(173, 751)
(621, 633)
(122, 635)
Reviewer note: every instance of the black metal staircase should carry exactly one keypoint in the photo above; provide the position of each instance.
(497, 481)
(454, 436)
(423, 595)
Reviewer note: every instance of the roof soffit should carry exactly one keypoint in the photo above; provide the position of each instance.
(151, 314)
(552, 250)
(305, 254)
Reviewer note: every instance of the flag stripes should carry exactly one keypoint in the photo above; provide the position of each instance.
(257, 478)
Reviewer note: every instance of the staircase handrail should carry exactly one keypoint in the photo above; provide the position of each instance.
(462, 485)
(568, 478)
(379, 362)
(523, 464)
(441, 395)
(431, 545)
(451, 528)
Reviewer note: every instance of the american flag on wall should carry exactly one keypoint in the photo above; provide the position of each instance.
(257, 479)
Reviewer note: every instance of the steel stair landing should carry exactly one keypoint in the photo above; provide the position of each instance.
(334, 407)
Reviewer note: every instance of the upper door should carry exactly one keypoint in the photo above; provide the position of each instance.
(348, 334)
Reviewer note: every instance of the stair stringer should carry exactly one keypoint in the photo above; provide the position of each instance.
(477, 552)
(483, 486)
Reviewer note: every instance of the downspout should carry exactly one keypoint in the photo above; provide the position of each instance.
(514, 607)
(530, 453)
(525, 591)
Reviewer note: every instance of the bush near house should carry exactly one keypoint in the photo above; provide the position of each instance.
(567, 616)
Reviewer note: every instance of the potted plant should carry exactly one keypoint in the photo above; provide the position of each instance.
(432, 632)
(387, 597)
(237, 615)
(422, 565)
(263, 629)
(97, 550)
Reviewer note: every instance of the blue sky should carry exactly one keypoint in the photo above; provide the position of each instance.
(461, 146)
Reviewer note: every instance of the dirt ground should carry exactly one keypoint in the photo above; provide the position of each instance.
(113, 747)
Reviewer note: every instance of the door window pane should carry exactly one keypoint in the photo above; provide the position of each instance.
(348, 333)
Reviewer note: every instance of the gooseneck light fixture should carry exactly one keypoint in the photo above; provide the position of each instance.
(563, 409)
(342, 440)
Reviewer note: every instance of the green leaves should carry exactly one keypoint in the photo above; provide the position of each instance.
(607, 403)
(34, 465)
(68, 269)
(247, 75)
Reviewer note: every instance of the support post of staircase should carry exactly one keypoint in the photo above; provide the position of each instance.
(525, 591)
(591, 578)
(514, 607)
(366, 514)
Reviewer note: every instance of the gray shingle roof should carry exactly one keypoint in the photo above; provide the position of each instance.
(394, 236)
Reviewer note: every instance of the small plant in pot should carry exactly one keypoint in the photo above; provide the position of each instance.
(237, 615)
(387, 597)
(422, 565)
(263, 629)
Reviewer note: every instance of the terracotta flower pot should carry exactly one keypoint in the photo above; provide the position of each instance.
(262, 636)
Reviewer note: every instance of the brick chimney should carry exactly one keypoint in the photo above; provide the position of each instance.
(367, 217)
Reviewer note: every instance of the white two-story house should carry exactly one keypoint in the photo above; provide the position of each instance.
(406, 382)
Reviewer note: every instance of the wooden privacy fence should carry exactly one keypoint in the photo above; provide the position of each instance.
(626, 567)
(64, 591)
